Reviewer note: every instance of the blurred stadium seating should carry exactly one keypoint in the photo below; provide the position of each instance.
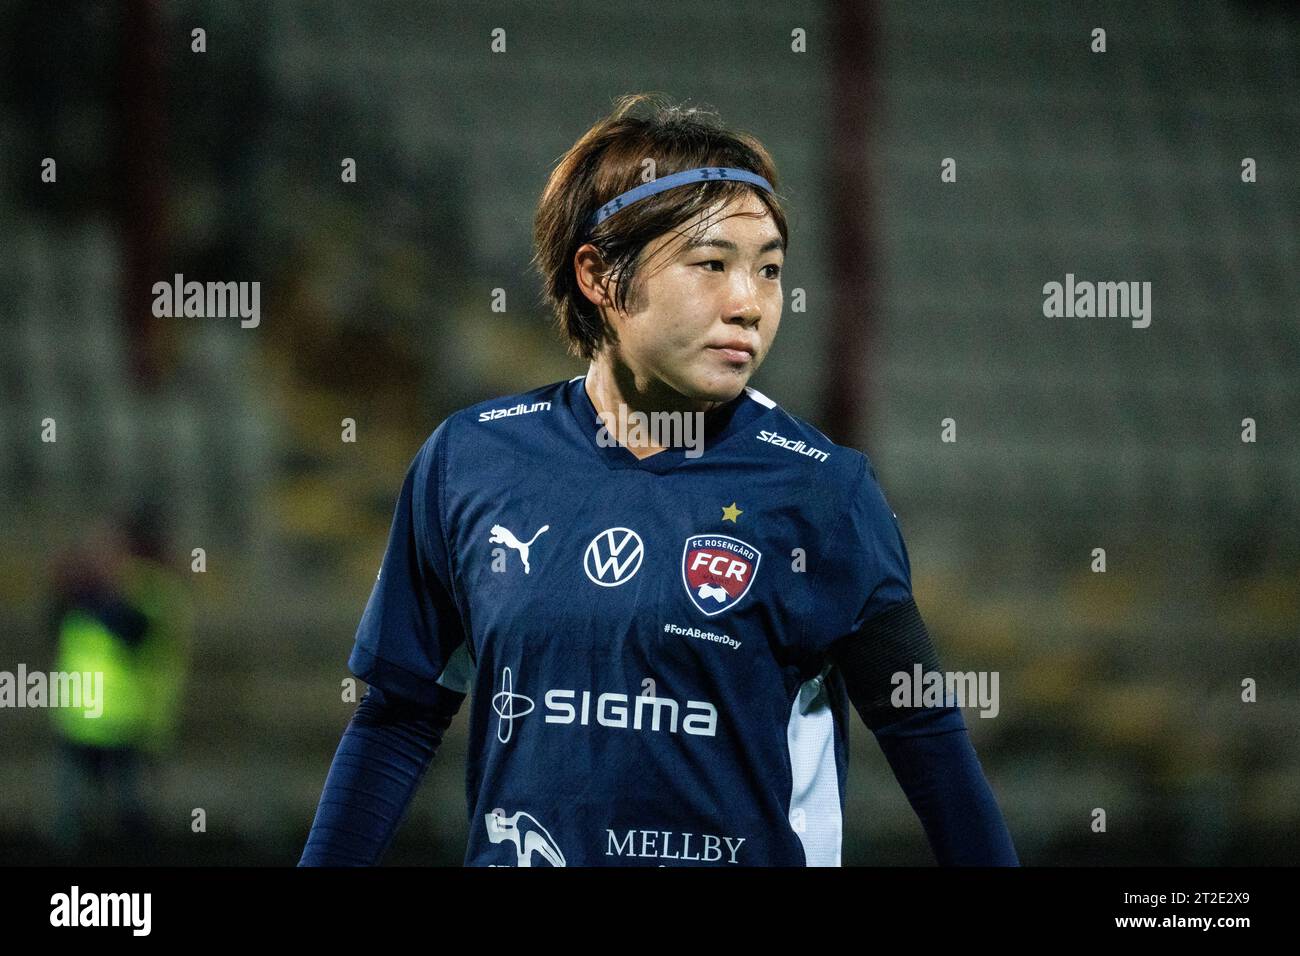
(1118, 690)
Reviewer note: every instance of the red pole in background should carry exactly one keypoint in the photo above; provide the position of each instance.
(853, 29)
(142, 165)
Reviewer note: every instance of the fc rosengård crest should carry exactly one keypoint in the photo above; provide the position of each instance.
(717, 571)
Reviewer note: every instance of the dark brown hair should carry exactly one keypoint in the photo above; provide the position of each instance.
(610, 158)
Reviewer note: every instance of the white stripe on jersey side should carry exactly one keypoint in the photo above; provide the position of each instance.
(576, 377)
(815, 793)
(458, 675)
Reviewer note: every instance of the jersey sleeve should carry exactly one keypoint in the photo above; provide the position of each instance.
(411, 639)
(864, 571)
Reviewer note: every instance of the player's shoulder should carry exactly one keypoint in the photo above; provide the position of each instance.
(467, 435)
(504, 412)
(796, 444)
(839, 479)
(542, 399)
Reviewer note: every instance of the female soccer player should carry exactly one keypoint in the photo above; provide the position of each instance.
(659, 590)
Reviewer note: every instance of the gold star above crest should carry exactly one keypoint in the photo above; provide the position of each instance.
(731, 513)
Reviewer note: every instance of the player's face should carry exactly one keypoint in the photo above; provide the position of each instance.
(706, 305)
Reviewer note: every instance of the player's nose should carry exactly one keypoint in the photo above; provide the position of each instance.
(744, 309)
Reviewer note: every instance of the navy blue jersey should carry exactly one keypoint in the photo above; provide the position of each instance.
(644, 642)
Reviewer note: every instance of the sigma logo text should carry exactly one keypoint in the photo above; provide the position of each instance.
(647, 711)
(611, 711)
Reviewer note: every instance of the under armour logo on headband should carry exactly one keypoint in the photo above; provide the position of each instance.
(702, 174)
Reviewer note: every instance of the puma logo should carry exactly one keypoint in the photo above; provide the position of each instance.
(502, 535)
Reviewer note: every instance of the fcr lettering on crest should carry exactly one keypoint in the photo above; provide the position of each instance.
(717, 571)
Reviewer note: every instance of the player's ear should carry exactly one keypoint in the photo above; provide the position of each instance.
(592, 273)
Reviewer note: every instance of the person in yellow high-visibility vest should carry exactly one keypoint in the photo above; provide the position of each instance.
(89, 644)
(122, 617)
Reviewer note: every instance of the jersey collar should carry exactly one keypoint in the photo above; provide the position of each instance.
(720, 424)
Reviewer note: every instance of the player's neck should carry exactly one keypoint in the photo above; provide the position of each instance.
(616, 393)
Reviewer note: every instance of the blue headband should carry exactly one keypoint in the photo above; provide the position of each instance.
(703, 174)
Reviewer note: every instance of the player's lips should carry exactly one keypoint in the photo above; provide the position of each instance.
(734, 350)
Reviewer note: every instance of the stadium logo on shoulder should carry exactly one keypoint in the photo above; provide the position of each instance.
(800, 446)
(718, 571)
(493, 414)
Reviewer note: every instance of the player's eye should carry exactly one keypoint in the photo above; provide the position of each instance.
(710, 262)
(777, 273)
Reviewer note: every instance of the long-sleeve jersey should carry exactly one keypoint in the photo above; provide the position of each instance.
(646, 643)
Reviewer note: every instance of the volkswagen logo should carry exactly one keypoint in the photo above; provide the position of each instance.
(613, 557)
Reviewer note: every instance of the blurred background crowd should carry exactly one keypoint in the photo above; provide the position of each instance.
(1120, 690)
